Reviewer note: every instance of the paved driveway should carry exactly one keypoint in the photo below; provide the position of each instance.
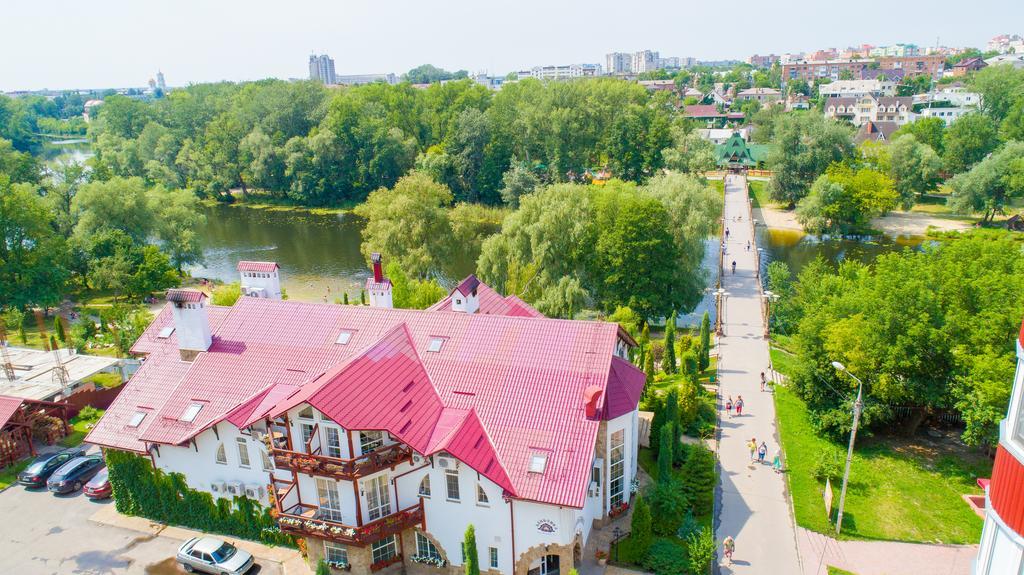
(41, 534)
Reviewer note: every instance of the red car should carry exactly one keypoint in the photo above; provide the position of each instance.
(99, 486)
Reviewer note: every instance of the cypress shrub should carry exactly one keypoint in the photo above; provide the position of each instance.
(668, 363)
(699, 479)
(472, 563)
(640, 525)
(704, 345)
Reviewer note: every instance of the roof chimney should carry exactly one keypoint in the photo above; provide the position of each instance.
(260, 279)
(379, 287)
(464, 297)
(191, 321)
(378, 272)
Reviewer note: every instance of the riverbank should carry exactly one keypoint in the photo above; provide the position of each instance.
(256, 203)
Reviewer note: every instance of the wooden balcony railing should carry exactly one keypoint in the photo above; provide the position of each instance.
(346, 469)
(303, 519)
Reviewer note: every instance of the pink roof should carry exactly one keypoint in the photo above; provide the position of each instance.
(8, 407)
(247, 266)
(702, 111)
(185, 295)
(491, 303)
(625, 385)
(372, 285)
(521, 378)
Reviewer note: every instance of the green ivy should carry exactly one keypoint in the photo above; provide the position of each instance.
(142, 490)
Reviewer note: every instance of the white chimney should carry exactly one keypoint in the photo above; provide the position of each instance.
(260, 279)
(378, 286)
(464, 297)
(191, 321)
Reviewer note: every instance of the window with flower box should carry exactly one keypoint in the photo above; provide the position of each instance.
(425, 547)
(384, 549)
(335, 554)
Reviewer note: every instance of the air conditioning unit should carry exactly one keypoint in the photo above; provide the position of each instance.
(447, 463)
(218, 487)
(235, 488)
(416, 459)
(594, 489)
(254, 492)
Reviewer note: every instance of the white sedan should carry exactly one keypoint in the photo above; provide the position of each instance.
(212, 555)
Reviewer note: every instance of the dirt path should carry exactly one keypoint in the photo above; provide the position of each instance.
(892, 224)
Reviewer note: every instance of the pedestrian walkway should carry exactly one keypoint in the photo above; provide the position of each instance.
(754, 506)
(882, 557)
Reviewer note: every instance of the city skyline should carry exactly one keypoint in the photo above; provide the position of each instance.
(237, 42)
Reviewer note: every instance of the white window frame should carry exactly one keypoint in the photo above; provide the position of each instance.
(243, 453)
(425, 547)
(451, 479)
(481, 496)
(328, 499)
(221, 456)
(368, 442)
(424, 488)
(492, 553)
(265, 460)
(378, 497)
(617, 468)
(384, 549)
(332, 450)
(305, 434)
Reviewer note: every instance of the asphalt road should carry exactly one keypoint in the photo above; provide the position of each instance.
(43, 534)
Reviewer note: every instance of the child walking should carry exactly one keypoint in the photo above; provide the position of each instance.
(762, 452)
(728, 406)
(777, 460)
(739, 405)
(752, 446)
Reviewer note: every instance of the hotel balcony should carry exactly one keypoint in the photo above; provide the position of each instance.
(307, 520)
(345, 469)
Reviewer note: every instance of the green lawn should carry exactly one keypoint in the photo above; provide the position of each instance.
(759, 194)
(898, 490)
(79, 429)
(838, 571)
(9, 474)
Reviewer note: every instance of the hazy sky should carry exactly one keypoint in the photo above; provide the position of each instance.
(116, 43)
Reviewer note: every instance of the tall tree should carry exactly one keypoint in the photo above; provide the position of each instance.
(967, 141)
(914, 168)
(668, 363)
(806, 145)
(990, 184)
(704, 345)
(472, 562)
(33, 258)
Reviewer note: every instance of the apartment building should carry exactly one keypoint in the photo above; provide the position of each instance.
(879, 86)
(931, 65)
(378, 435)
(321, 67)
(811, 70)
(618, 63)
(566, 72)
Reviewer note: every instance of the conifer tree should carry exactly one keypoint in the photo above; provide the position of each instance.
(699, 479)
(58, 328)
(665, 454)
(472, 563)
(640, 526)
(344, 298)
(704, 347)
(668, 362)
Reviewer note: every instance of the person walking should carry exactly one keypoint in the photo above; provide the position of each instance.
(728, 406)
(739, 405)
(728, 548)
(777, 460)
(762, 452)
(748, 245)
(727, 233)
(752, 446)
(733, 266)
(763, 381)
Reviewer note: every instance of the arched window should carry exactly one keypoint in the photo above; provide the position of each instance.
(222, 455)
(425, 486)
(425, 547)
(481, 495)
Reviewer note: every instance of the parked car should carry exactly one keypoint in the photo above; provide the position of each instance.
(212, 555)
(71, 476)
(36, 474)
(99, 486)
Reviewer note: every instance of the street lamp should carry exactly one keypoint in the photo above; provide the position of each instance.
(719, 308)
(858, 406)
(769, 296)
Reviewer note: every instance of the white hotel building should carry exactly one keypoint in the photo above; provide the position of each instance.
(380, 434)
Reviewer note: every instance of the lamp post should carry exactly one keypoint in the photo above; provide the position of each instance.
(858, 406)
(758, 262)
(769, 296)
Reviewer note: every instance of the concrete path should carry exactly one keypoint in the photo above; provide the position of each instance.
(754, 506)
(882, 557)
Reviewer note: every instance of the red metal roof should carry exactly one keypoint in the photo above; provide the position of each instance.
(702, 111)
(8, 407)
(1006, 491)
(468, 285)
(625, 385)
(492, 303)
(185, 295)
(523, 378)
(247, 266)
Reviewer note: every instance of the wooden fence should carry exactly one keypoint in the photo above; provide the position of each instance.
(100, 398)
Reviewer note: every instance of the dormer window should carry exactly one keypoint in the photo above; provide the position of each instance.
(166, 332)
(306, 413)
(191, 412)
(435, 344)
(481, 496)
(538, 461)
(343, 337)
(136, 419)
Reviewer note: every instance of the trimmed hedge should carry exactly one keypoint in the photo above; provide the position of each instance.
(142, 490)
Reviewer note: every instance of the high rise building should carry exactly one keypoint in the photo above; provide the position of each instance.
(618, 63)
(160, 83)
(321, 68)
(645, 61)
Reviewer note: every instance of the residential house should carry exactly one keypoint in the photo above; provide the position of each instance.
(1002, 537)
(857, 88)
(875, 132)
(1015, 60)
(870, 108)
(761, 95)
(383, 433)
(659, 85)
(693, 93)
(797, 102)
(1006, 44)
(948, 103)
(967, 65)
(720, 136)
(931, 65)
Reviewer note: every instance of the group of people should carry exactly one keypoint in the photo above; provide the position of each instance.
(760, 452)
(729, 405)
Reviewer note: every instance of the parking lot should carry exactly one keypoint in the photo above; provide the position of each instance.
(43, 534)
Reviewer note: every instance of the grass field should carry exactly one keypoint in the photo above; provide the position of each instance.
(9, 474)
(79, 429)
(899, 490)
(759, 194)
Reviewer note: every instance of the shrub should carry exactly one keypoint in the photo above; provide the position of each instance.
(700, 550)
(668, 364)
(666, 452)
(656, 405)
(689, 526)
(640, 525)
(699, 479)
(668, 503)
(665, 558)
(827, 466)
(685, 343)
(226, 294)
(688, 360)
(471, 562)
(704, 343)
(322, 568)
(89, 413)
(689, 401)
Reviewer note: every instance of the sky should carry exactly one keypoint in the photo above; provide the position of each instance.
(120, 43)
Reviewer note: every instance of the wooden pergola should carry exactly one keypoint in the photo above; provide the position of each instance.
(17, 416)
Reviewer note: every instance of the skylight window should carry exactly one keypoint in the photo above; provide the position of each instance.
(435, 344)
(166, 332)
(191, 412)
(538, 461)
(343, 338)
(137, 418)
